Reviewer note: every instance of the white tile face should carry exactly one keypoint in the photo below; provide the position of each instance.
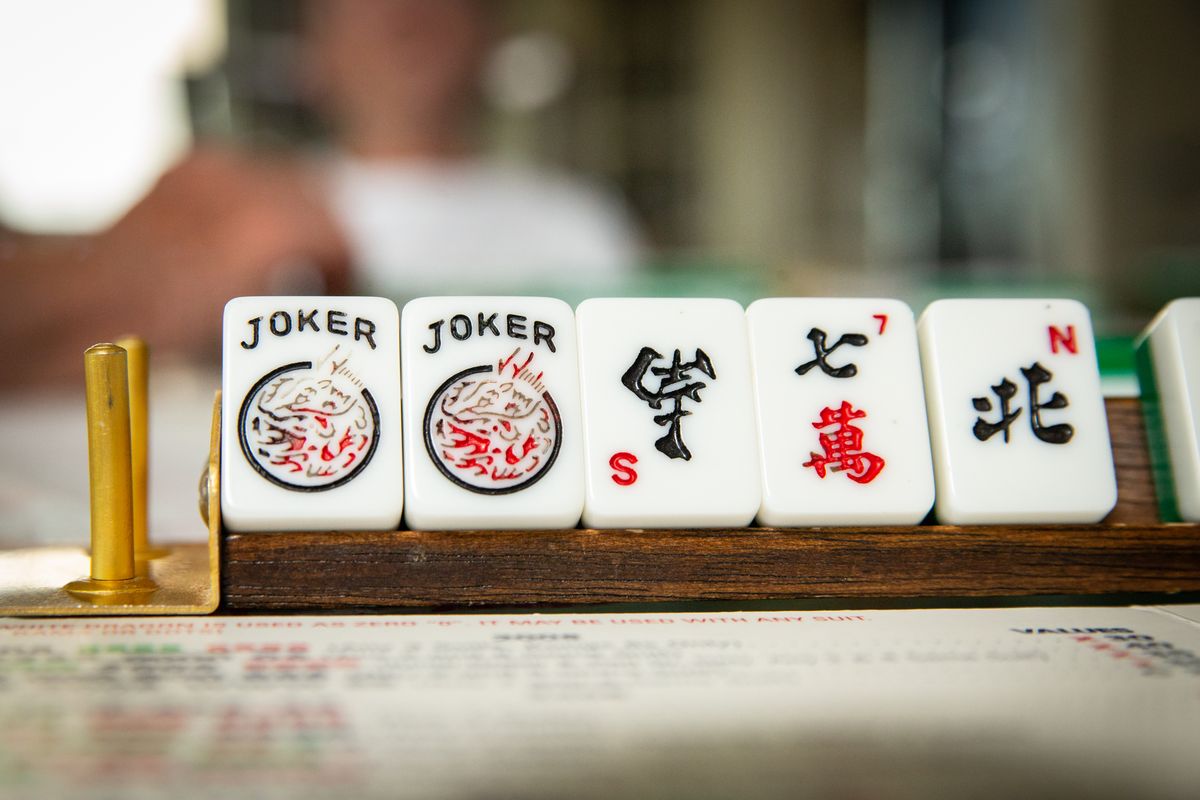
(491, 413)
(1169, 369)
(1016, 415)
(310, 414)
(668, 414)
(841, 412)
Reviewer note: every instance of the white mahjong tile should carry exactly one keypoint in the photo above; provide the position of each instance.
(843, 436)
(668, 414)
(492, 433)
(1016, 415)
(310, 414)
(1169, 371)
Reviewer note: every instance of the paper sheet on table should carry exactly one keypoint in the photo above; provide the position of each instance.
(1035, 702)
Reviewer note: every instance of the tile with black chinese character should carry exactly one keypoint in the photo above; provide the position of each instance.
(1016, 414)
(491, 413)
(843, 436)
(310, 414)
(668, 414)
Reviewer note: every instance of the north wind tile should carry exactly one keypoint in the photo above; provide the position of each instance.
(310, 414)
(1016, 415)
(492, 429)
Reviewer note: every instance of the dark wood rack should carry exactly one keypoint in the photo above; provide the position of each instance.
(1130, 552)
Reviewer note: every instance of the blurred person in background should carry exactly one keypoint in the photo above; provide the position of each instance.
(402, 206)
(420, 212)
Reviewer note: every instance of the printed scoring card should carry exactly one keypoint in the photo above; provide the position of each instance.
(668, 414)
(843, 435)
(310, 414)
(1016, 415)
(491, 422)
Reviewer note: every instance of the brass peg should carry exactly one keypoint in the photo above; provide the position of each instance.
(138, 356)
(110, 474)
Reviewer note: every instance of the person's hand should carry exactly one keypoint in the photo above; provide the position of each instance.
(216, 226)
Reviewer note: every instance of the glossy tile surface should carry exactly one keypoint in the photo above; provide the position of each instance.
(1016, 415)
(311, 436)
(1168, 355)
(668, 413)
(843, 436)
(492, 430)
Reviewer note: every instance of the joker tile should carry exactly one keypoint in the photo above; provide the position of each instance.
(310, 414)
(1016, 415)
(1168, 357)
(492, 431)
(669, 425)
(843, 435)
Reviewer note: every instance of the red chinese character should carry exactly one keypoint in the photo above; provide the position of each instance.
(843, 446)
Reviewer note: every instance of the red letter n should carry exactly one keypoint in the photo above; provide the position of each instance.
(1067, 339)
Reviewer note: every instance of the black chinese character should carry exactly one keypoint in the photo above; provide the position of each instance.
(672, 385)
(817, 337)
(1035, 375)
(984, 430)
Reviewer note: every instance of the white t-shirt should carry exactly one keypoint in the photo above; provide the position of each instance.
(476, 227)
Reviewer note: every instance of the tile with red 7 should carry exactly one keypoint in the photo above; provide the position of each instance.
(843, 436)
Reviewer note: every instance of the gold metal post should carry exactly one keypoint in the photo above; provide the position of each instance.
(139, 383)
(111, 479)
(109, 462)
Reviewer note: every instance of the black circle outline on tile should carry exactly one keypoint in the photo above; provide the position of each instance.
(247, 450)
(431, 449)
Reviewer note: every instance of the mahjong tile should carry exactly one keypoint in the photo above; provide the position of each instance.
(843, 435)
(1016, 415)
(1168, 356)
(668, 414)
(492, 432)
(310, 414)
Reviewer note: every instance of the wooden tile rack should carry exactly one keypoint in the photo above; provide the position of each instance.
(1130, 552)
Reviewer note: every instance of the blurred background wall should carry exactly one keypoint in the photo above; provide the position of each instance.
(907, 147)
